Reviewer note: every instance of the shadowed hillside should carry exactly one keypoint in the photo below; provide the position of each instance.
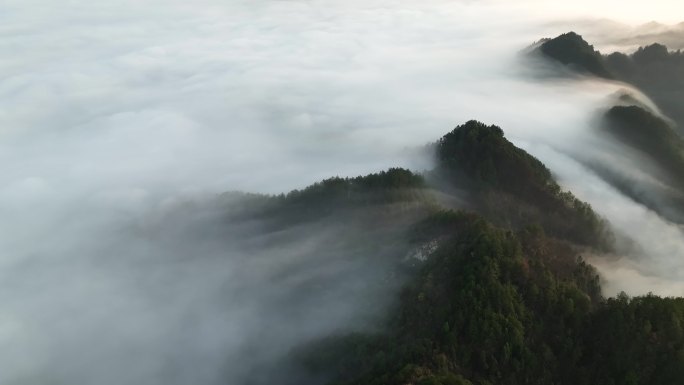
(572, 50)
(654, 69)
(512, 188)
(486, 308)
(506, 305)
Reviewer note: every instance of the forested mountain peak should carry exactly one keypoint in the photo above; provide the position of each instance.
(513, 188)
(508, 302)
(484, 154)
(651, 52)
(572, 50)
(654, 69)
(650, 134)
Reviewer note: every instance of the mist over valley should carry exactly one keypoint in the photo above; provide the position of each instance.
(320, 192)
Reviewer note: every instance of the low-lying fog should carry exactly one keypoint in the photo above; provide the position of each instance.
(116, 116)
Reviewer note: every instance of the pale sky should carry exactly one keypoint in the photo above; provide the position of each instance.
(627, 11)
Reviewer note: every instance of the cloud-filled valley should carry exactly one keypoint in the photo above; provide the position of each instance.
(122, 124)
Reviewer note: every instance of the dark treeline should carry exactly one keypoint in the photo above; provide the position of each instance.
(572, 50)
(501, 293)
(505, 296)
(651, 135)
(657, 142)
(491, 307)
(655, 70)
(659, 73)
(333, 197)
(497, 291)
(512, 188)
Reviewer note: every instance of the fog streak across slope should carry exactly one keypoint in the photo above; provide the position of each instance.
(652, 263)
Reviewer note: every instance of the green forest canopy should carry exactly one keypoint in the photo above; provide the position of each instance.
(500, 301)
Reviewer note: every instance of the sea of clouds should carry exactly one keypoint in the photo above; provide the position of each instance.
(115, 114)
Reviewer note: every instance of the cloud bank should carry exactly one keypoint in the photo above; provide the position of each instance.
(115, 114)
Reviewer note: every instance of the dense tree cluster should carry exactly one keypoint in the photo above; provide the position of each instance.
(488, 307)
(504, 296)
(513, 188)
(658, 72)
(651, 135)
(572, 50)
(656, 142)
(655, 70)
(380, 186)
(335, 196)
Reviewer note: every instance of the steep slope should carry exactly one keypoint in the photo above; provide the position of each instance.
(572, 50)
(300, 266)
(483, 309)
(650, 134)
(486, 309)
(657, 148)
(507, 304)
(370, 235)
(512, 188)
(657, 143)
(655, 70)
(658, 72)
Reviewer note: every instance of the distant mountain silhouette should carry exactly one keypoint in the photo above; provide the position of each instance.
(655, 70)
(572, 50)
